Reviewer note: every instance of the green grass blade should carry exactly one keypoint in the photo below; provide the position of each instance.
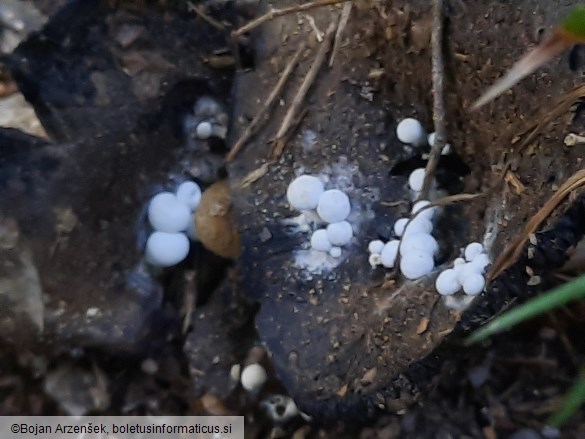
(574, 400)
(559, 296)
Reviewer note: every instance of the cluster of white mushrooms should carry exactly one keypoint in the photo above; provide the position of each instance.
(171, 218)
(327, 208)
(413, 236)
(413, 241)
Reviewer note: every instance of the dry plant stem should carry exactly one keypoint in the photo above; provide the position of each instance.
(438, 99)
(511, 254)
(274, 13)
(211, 21)
(274, 94)
(340, 28)
(295, 106)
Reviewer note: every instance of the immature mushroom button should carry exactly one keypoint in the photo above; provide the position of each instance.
(167, 214)
(416, 179)
(333, 206)
(320, 241)
(304, 192)
(446, 283)
(204, 130)
(375, 246)
(166, 249)
(253, 377)
(389, 253)
(473, 284)
(411, 131)
(472, 250)
(189, 193)
(416, 264)
(340, 233)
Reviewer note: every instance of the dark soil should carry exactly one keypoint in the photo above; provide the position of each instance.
(360, 351)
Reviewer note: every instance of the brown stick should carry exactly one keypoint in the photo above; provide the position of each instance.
(438, 99)
(252, 128)
(339, 34)
(209, 20)
(274, 13)
(295, 106)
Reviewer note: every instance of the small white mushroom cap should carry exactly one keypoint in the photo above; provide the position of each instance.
(333, 206)
(473, 284)
(416, 179)
(418, 225)
(416, 264)
(335, 252)
(482, 261)
(458, 261)
(427, 213)
(167, 214)
(253, 377)
(204, 130)
(419, 242)
(431, 138)
(399, 226)
(468, 269)
(320, 241)
(446, 283)
(411, 131)
(166, 249)
(472, 250)
(375, 246)
(189, 193)
(340, 233)
(375, 259)
(389, 253)
(304, 192)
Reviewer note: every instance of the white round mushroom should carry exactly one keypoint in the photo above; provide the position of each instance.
(340, 233)
(481, 261)
(419, 242)
(431, 138)
(428, 213)
(204, 130)
(472, 250)
(375, 259)
(376, 246)
(418, 224)
(468, 269)
(399, 226)
(416, 179)
(303, 192)
(189, 193)
(416, 264)
(473, 284)
(446, 283)
(167, 214)
(389, 253)
(335, 252)
(320, 241)
(411, 131)
(166, 249)
(333, 206)
(253, 377)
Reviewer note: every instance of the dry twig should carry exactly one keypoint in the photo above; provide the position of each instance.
(209, 20)
(340, 28)
(274, 94)
(438, 98)
(274, 13)
(511, 254)
(295, 106)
